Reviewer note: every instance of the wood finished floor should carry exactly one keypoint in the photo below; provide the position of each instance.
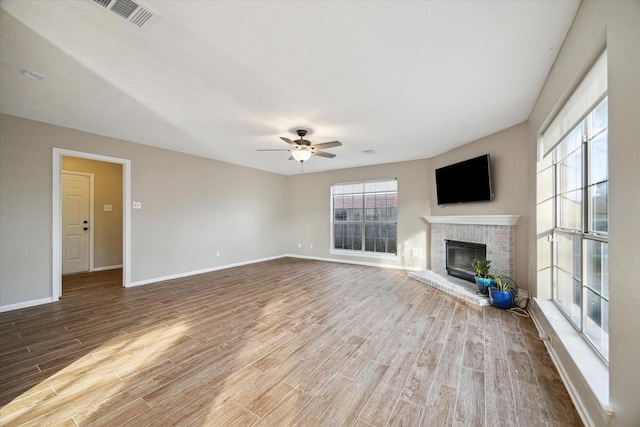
(284, 342)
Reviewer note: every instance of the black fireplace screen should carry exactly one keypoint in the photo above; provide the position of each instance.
(460, 255)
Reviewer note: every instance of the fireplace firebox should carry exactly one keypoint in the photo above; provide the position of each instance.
(460, 255)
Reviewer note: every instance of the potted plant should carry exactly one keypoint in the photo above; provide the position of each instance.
(483, 278)
(503, 294)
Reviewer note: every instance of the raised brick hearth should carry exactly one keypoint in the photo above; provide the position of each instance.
(495, 231)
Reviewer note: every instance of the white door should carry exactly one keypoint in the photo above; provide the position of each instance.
(75, 223)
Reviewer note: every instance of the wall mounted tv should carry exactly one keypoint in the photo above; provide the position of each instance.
(467, 181)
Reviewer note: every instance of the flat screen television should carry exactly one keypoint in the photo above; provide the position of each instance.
(467, 181)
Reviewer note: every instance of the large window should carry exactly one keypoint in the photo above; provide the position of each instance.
(580, 261)
(364, 216)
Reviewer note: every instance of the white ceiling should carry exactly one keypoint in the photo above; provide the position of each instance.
(406, 79)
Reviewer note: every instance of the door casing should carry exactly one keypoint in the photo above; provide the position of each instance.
(56, 226)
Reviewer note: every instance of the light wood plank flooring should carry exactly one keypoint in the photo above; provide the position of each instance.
(284, 342)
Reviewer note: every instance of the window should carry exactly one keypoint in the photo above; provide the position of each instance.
(364, 216)
(572, 215)
(580, 257)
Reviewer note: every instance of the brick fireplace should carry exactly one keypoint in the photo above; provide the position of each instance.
(497, 232)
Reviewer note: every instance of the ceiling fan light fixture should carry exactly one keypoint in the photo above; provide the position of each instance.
(302, 150)
(301, 155)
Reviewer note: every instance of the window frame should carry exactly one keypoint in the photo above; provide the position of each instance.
(363, 222)
(586, 232)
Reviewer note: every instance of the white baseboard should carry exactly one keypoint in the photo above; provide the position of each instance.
(109, 267)
(31, 303)
(346, 261)
(204, 270)
(25, 304)
(584, 360)
(253, 261)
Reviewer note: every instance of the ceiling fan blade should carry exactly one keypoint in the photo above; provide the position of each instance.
(274, 149)
(288, 141)
(326, 145)
(323, 154)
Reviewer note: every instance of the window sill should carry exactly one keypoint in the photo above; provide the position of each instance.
(361, 254)
(583, 359)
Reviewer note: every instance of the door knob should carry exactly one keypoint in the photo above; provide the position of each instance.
(85, 222)
(85, 228)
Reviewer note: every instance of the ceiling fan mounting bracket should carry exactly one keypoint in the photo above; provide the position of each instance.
(301, 132)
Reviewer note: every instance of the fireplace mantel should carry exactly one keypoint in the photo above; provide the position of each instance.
(473, 219)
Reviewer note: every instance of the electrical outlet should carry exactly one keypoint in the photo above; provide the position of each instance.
(108, 208)
(217, 253)
(311, 246)
(137, 205)
(299, 245)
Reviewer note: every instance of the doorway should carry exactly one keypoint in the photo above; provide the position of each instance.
(57, 233)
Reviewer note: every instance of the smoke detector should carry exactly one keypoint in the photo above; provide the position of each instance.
(133, 12)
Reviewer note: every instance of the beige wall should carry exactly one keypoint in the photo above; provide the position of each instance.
(616, 25)
(508, 151)
(191, 208)
(107, 225)
(309, 216)
(194, 207)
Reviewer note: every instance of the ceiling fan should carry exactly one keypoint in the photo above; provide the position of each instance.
(302, 149)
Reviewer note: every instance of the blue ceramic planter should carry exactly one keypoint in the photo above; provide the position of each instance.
(484, 284)
(501, 299)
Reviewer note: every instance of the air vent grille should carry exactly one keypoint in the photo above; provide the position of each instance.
(136, 14)
(141, 16)
(124, 8)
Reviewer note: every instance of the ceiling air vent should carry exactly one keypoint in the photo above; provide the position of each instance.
(134, 13)
(124, 8)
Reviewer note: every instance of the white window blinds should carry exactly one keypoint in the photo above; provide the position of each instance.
(365, 187)
(591, 90)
